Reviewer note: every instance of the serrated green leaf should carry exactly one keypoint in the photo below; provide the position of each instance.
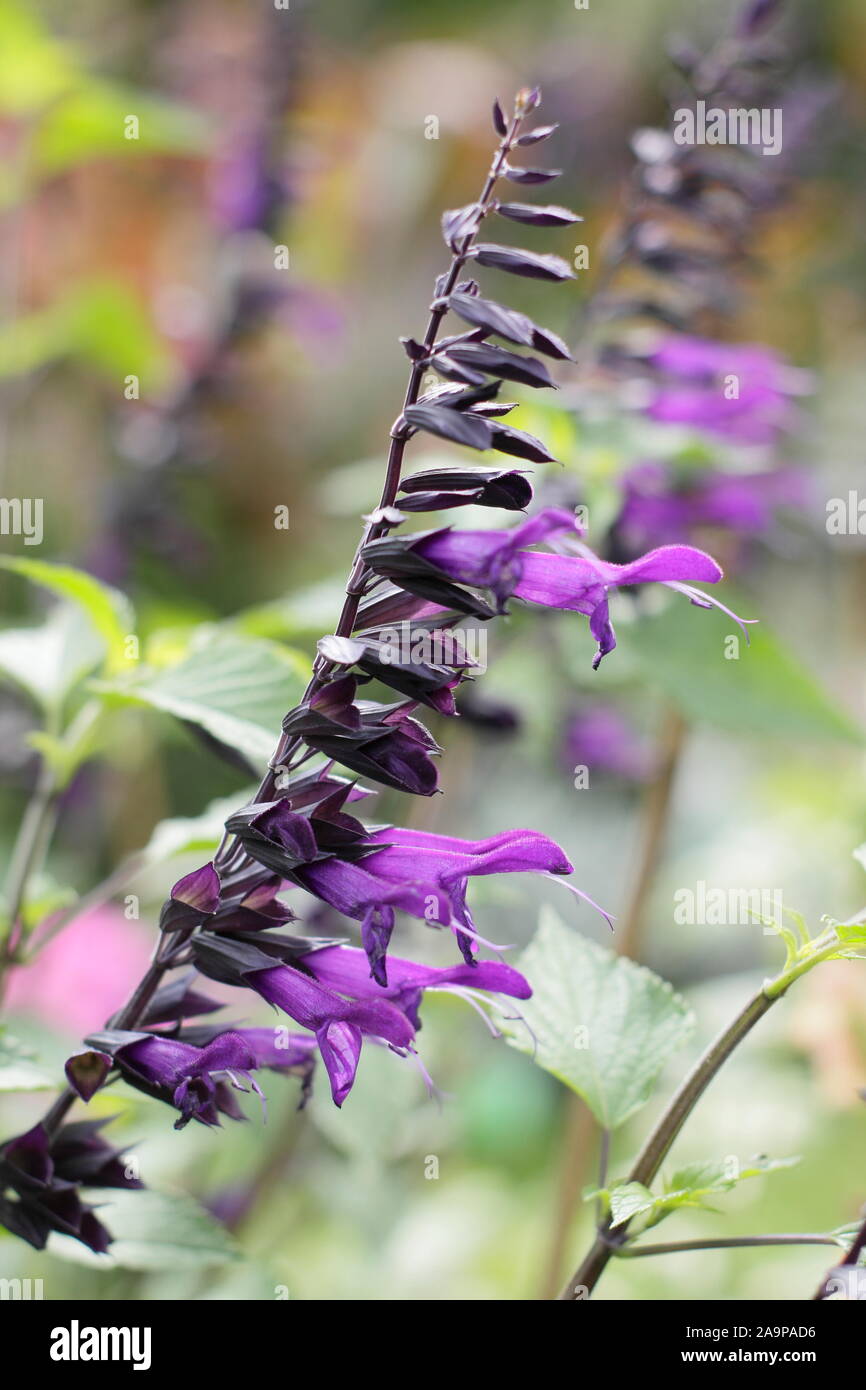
(601, 1024)
(109, 611)
(764, 691)
(153, 1231)
(625, 1201)
(690, 1186)
(235, 688)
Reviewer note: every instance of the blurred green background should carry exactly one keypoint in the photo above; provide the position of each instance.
(260, 387)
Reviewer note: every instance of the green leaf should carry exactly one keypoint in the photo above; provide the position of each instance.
(624, 1202)
(153, 1231)
(690, 1186)
(601, 1024)
(852, 939)
(764, 691)
(49, 661)
(108, 609)
(235, 688)
(17, 1069)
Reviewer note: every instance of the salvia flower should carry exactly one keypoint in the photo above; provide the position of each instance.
(418, 872)
(576, 582)
(197, 1081)
(345, 969)
(328, 990)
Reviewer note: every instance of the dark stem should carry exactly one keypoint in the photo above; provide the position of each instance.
(36, 827)
(857, 1247)
(674, 1247)
(657, 1146)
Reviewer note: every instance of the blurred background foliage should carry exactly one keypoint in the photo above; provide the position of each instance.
(166, 389)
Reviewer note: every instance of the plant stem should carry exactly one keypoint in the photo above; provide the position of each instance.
(656, 1148)
(674, 1247)
(654, 824)
(858, 1245)
(658, 1144)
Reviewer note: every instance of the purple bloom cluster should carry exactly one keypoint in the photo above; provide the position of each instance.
(41, 1176)
(229, 919)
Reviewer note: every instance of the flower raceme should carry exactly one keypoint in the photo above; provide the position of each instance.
(226, 918)
(326, 989)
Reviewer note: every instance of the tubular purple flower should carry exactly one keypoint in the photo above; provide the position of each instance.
(339, 1024)
(658, 505)
(189, 1078)
(346, 969)
(579, 583)
(426, 875)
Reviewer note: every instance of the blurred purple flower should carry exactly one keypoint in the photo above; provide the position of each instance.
(740, 391)
(657, 505)
(600, 738)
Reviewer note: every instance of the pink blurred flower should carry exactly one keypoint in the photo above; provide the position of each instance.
(84, 974)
